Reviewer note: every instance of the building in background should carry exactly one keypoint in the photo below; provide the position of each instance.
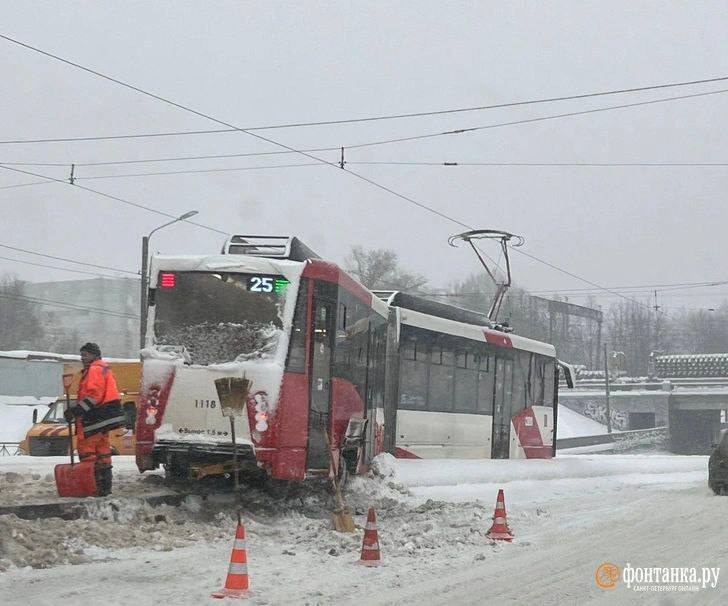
(103, 310)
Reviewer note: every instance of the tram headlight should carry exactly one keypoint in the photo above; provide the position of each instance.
(261, 402)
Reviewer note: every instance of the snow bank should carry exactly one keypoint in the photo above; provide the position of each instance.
(571, 424)
(15, 421)
(26, 479)
(430, 472)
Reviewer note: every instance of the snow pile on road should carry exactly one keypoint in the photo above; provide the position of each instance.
(289, 520)
(113, 524)
(27, 479)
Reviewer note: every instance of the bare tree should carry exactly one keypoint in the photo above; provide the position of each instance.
(378, 268)
(20, 325)
(637, 330)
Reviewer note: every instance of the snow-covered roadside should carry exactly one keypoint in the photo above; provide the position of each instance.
(27, 479)
(574, 425)
(623, 508)
(434, 550)
(439, 472)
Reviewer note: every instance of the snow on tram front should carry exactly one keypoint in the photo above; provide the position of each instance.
(247, 312)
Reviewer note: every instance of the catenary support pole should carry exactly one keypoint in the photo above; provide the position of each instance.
(606, 386)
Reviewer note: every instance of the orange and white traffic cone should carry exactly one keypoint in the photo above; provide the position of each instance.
(499, 530)
(236, 583)
(370, 545)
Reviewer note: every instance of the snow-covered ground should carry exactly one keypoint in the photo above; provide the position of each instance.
(17, 419)
(574, 425)
(568, 515)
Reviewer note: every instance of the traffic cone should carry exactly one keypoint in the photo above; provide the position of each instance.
(499, 530)
(236, 584)
(370, 544)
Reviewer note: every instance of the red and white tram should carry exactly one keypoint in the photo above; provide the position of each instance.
(384, 372)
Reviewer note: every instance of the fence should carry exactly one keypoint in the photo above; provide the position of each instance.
(9, 449)
(622, 440)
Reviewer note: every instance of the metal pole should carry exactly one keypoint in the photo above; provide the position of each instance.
(70, 427)
(143, 294)
(599, 342)
(235, 466)
(606, 384)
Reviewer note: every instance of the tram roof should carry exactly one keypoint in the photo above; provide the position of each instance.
(449, 319)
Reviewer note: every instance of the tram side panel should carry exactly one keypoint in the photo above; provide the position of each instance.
(459, 398)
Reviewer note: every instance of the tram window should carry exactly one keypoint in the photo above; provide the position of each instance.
(521, 371)
(485, 386)
(297, 348)
(461, 359)
(548, 383)
(413, 382)
(537, 380)
(441, 383)
(409, 350)
(436, 354)
(466, 388)
(507, 381)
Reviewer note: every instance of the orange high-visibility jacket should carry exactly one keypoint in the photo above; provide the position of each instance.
(98, 385)
(98, 406)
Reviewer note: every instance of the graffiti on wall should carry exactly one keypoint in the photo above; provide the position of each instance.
(598, 411)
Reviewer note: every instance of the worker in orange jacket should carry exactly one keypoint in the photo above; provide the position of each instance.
(97, 411)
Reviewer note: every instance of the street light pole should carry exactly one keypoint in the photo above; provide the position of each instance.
(145, 275)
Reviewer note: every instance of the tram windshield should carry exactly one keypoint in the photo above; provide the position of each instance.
(219, 317)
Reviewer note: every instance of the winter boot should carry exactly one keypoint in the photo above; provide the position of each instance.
(107, 480)
(103, 480)
(98, 473)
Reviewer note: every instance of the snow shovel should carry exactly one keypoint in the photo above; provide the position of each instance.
(76, 479)
(341, 516)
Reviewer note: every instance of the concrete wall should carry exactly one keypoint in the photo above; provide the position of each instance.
(593, 404)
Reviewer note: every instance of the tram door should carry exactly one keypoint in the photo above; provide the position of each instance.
(318, 418)
(501, 438)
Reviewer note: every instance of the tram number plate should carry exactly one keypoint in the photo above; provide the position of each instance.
(205, 404)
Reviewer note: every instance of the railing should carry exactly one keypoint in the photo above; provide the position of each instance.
(9, 449)
(621, 440)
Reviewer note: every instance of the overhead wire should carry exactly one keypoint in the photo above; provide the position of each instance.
(587, 291)
(75, 271)
(334, 165)
(461, 131)
(367, 118)
(197, 171)
(25, 184)
(116, 198)
(57, 258)
(66, 305)
(418, 114)
(541, 164)
(288, 150)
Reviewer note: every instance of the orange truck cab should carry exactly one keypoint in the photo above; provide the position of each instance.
(48, 436)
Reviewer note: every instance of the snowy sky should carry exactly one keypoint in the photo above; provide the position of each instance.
(262, 63)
